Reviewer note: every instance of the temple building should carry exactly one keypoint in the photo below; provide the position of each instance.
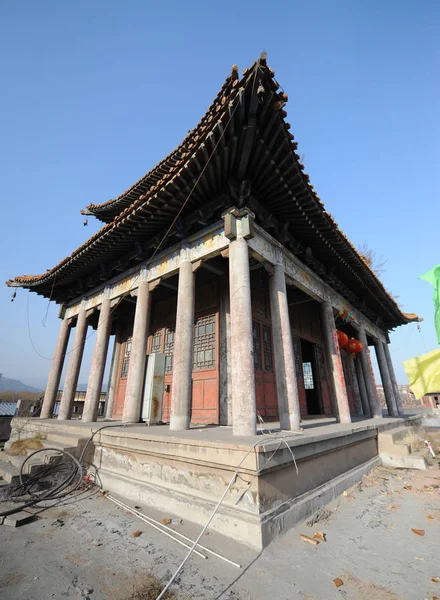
(227, 287)
(223, 259)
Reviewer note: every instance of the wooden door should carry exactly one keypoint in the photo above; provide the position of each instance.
(162, 341)
(265, 382)
(205, 407)
(118, 405)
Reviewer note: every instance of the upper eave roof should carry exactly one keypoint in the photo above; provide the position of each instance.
(243, 137)
(108, 211)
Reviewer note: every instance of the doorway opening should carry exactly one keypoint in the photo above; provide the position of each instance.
(311, 378)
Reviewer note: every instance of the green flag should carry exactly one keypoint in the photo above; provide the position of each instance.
(433, 277)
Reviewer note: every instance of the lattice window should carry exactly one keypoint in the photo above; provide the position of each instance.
(267, 349)
(256, 334)
(259, 302)
(320, 363)
(126, 359)
(156, 342)
(309, 384)
(298, 357)
(204, 343)
(168, 350)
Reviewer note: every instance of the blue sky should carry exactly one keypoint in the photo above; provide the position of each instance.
(94, 94)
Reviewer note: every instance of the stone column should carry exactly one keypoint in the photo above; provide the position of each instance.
(386, 379)
(225, 356)
(183, 349)
(334, 362)
(138, 356)
(399, 406)
(355, 385)
(94, 385)
(56, 369)
(367, 371)
(362, 388)
(287, 389)
(244, 411)
(114, 372)
(73, 367)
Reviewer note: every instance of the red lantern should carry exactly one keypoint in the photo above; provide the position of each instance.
(354, 346)
(342, 338)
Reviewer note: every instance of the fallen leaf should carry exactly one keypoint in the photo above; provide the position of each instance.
(435, 580)
(166, 521)
(393, 506)
(418, 531)
(318, 535)
(429, 517)
(136, 533)
(306, 538)
(338, 582)
(407, 487)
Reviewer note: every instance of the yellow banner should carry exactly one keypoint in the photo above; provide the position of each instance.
(424, 373)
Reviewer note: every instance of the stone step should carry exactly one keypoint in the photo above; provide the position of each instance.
(393, 442)
(34, 463)
(9, 473)
(69, 447)
(415, 461)
(68, 439)
(398, 435)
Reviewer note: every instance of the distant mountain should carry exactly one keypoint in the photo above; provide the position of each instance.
(15, 385)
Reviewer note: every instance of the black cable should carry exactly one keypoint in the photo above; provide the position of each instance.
(61, 489)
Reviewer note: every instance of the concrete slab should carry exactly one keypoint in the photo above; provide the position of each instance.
(87, 544)
(18, 519)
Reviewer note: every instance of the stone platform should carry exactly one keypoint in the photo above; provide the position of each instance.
(185, 473)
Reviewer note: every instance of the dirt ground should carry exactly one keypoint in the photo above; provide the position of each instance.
(85, 549)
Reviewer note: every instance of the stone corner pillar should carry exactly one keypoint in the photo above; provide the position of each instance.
(56, 369)
(285, 372)
(94, 385)
(138, 356)
(397, 398)
(367, 370)
(334, 361)
(183, 349)
(74, 366)
(386, 379)
(239, 228)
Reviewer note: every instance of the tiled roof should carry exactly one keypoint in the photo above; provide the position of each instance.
(7, 409)
(243, 138)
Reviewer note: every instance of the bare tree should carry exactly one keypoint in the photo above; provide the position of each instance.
(375, 262)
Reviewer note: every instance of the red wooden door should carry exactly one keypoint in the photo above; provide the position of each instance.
(265, 382)
(118, 405)
(205, 407)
